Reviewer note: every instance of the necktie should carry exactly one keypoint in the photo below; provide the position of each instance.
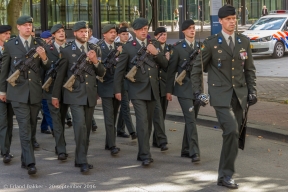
(110, 47)
(26, 45)
(191, 45)
(82, 49)
(231, 44)
(143, 44)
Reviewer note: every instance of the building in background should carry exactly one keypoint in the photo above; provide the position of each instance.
(46, 13)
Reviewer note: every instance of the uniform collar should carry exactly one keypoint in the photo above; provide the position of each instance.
(140, 42)
(23, 40)
(226, 37)
(78, 44)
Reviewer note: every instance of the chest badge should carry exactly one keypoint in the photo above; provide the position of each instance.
(73, 55)
(219, 51)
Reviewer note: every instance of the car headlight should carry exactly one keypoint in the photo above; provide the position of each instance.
(267, 38)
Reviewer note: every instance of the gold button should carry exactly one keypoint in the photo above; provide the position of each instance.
(160, 71)
(29, 71)
(233, 68)
(149, 76)
(149, 69)
(213, 84)
(159, 77)
(29, 79)
(233, 85)
(86, 75)
(232, 60)
(232, 77)
(86, 83)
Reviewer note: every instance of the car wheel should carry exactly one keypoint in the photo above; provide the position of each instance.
(278, 50)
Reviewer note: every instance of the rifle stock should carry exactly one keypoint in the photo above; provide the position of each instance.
(68, 85)
(130, 75)
(47, 84)
(13, 77)
(180, 77)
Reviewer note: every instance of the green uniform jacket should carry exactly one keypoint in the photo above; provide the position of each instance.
(82, 92)
(26, 89)
(105, 89)
(146, 84)
(179, 54)
(163, 72)
(227, 71)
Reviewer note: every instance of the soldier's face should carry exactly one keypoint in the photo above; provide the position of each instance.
(228, 23)
(142, 33)
(110, 36)
(5, 36)
(47, 40)
(190, 32)
(124, 36)
(59, 35)
(81, 35)
(25, 30)
(163, 37)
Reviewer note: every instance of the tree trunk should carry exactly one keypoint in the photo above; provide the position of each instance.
(14, 9)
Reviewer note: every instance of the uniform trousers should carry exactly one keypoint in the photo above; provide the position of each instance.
(6, 127)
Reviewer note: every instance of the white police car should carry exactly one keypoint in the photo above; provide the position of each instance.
(269, 34)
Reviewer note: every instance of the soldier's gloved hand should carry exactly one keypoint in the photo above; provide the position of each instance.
(252, 99)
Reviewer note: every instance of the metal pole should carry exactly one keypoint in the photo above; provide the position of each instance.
(243, 12)
(182, 15)
(96, 19)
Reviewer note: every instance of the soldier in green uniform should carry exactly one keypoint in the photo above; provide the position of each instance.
(110, 104)
(144, 91)
(82, 97)
(26, 95)
(57, 114)
(124, 114)
(228, 60)
(179, 54)
(159, 136)
(6, 111)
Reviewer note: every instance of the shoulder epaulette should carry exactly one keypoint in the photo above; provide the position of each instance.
(177, 43)
(10, 39)
(68, 43)
(211, 37)
(241, 35)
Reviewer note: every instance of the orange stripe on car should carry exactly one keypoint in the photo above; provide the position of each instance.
(283, 36)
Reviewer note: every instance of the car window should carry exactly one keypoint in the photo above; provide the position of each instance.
(268, 23)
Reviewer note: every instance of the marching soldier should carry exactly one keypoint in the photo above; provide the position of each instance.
(124, 114)
(6, 111)
(24, 92)
(159, 136)
(228, 60)
(82, 95)
(105, 90)
(144, 89)
(57, 114)
(179, 54)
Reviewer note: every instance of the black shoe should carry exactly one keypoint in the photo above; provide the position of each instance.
(139, 159)
(125, 135)
(185, 155)
(164, 147)
(46, 131)
(36, 145)
(79, 165)
(52, 132)
(6, 158)
(114, 150)
(23, 165)
(94, 128)
(133, 136)
(31, 169)
(147, 162)
(84, 168)
(69, 123)
(228, 182)
(62, 156)
(195, 158)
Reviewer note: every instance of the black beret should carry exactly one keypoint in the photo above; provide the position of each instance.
(139, 23)
(226, 11)
(80, 25)
(160, 30)
(108, 27)
(123, 29)
(24, 19)
(56, 28)
(5, 28)
(186, 24)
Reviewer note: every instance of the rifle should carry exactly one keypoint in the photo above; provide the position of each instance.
(139, 60)
(242, 132)
(187, 66)
(110, 61)
(78, 68)
(52, 75)
(23, 65)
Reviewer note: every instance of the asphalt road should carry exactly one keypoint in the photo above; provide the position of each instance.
(262, 166)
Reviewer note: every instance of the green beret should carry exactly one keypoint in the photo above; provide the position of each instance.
(226, 11)
(80, 25)
(108, 27)
(139, 23)
(56, 28)
(24, 19)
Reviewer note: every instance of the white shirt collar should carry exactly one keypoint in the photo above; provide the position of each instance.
(23, 40)
(188, 42)
(140, 42)
(78, 44)
(58, 46)
(108, 45)
(226, 36)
